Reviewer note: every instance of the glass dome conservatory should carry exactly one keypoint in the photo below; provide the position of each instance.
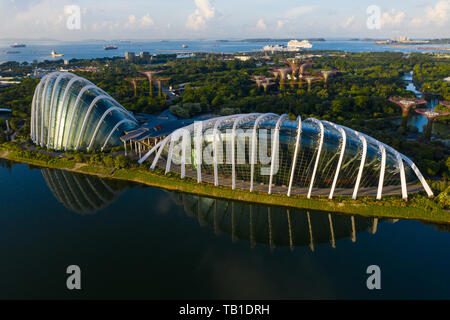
(70, 113)
(271, 153)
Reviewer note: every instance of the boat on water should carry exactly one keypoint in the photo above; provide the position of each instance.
(295, 44)
(184, 46)
(54, 54)
(111, 47)
(18, 45)
(12, 52)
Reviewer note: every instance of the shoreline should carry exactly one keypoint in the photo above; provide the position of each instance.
(364, 206)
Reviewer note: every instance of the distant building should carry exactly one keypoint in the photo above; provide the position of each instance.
(66, 62)
(401, 39)
(243, 58)
(145, 56)
(130, 56)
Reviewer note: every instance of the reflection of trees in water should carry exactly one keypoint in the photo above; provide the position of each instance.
(82, 193)
(7, 164)
(273, 226)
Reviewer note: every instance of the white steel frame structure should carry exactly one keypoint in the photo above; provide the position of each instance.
(55, 113)
(316, 129)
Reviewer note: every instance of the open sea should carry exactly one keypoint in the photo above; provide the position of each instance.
(41, 50)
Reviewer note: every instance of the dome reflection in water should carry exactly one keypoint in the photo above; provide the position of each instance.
(81, 193)
(257, 224)
(273, 226)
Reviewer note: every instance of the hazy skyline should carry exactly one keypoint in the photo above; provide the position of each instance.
(220, 19)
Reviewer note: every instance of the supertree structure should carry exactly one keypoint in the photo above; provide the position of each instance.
(406, 104)
(304, 65)
(294, 64)
(149, 74)
(267, 83)
(258, 80)
(326, 74)
(160, 81)
(275, 73)
(134, 81)
(310, 80)
(431, 115)
(283, 73)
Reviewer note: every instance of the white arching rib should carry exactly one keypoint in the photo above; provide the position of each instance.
(402, 176)
(32, 114)
(275, 148)
(38, 108)
(233, 143)
(114, 129)
(361, 166)
(100, 121)
(198, 131)
(341, 157)
(47, 81)
(140, 161)
(382, 170)
(52, 101)
(75, 107)
(33, 111)
(319, 151)
(419, 175)
(66, 92)
(173, 137)
(184, 139)
(216, 127)
(161, 148)
(88, 113)
(253, 149)
(412, 165)
(294, 160)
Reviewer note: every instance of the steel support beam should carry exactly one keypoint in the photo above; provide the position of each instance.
(319, 151)
(361, 166)
(88, 113)
(275, 148)
(382, 170)
(294, 161)
(253, 148)
(341, 157)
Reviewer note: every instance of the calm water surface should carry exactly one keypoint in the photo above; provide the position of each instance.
(133, 241)
(40, 50)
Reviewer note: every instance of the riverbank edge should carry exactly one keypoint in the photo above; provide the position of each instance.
(171, 182)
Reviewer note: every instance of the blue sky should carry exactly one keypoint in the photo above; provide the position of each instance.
(221, 19)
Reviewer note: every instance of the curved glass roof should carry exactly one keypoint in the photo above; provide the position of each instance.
(70, 113)
(271, 153)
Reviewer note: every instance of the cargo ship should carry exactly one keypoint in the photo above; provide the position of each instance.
(18, 45)
(54, 54)
(111, 47)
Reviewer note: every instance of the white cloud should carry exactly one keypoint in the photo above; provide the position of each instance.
(261, 24)
(131, 19)
(348, 22)
(437, 15)
(204, 12)
(280, 24)
(299, 11)
(440, 13)
(416, 22)
(147, 21)
(392, 18)
(134, 23)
